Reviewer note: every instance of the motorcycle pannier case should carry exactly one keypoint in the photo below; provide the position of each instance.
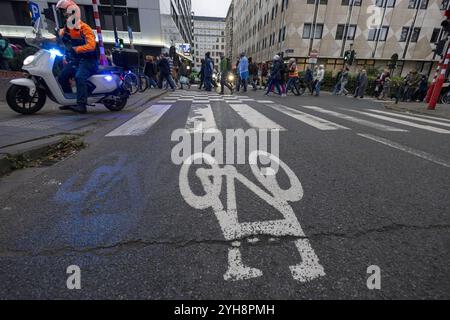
(125, 58)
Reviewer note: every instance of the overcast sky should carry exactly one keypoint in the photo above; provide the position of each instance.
(211, 8)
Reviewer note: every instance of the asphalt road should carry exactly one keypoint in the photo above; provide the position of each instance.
(375, 192)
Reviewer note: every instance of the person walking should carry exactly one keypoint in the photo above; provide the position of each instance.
(318, 79)
(243, 72)
(362, 82)
(209, 70)
(225, 69)
(253, 72)
(150, 71)
(202, 74)
(337, 85)
(275, 76)
(164, 72)
(422, 90)
(183, 75)
(343, 82)
(309, 78)
(293, 75)
(412, 83)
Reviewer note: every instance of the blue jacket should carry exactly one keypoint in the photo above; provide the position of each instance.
(243, 65)
(164, 66)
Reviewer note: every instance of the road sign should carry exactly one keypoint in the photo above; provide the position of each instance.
(312, 61)
(313, 56)
(34, 11)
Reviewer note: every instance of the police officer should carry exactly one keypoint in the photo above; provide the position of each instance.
(82, 57)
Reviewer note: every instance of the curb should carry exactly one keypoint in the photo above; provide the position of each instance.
(32, 150)
(406, 110)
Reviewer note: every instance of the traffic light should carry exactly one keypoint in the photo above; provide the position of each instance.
(121, 44)
(347, 56)
(352, 57)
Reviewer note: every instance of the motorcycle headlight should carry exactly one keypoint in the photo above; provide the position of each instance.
(28, 60)
(230, 78)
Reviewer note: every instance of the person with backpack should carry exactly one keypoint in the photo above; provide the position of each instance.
(209, 70)
(293, 74)
(164, 72)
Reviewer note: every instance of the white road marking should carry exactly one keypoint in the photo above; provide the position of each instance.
(398, 115)
(405, 123)
(201, 119)
(264, 101)
(429, 117)
(214, 178)
(417, 153)
(356, 120)
(254, 118)
(141, 123)
(167, 101)
(310, 120)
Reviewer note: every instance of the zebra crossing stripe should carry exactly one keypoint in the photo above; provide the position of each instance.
(201, 119)
(310, 120)
(405, 123)
(417, 153)
(140, 124)
(359, 121)
(254, 118)
(411, 118)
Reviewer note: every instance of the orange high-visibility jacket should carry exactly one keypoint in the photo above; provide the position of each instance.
(82, 40)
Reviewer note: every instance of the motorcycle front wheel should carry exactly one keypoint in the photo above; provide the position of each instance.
(117, 105)
(19, 100)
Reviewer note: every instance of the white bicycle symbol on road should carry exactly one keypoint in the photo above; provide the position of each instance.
(233, 231)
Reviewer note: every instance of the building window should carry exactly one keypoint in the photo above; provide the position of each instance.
(356, 3)
(314, 2)
(416, 4)
(405, 33)
(308, 32)
(378, 34)
(351, 31)
(121, 16)
(435, 35)
(415, 35)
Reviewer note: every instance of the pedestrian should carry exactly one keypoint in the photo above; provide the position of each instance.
(264, 74)
(209, 70)
(243, 72)
(386, 87)
(164, 72)
(284, 74)
(150, 71)
(183, 75)
(337, 85)
(253, 73)
(343, 81)
(275, 76)
(377, 86)
(293, 74)
(202, 74)
(6, 53)
(362, 82)
(385, 77)
(422, 90)
(412, 84)
(309, 78)
(318, 79)
(225, 69)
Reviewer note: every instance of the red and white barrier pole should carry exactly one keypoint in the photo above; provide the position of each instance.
(98, 26)
(439, 82)
(433, 83)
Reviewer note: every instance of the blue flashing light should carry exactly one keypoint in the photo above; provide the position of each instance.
(108, 78)
(55, 52)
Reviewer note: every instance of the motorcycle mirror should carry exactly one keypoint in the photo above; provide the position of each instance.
(37, 27)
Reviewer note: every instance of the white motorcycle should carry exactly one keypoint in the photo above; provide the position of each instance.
(28, 95)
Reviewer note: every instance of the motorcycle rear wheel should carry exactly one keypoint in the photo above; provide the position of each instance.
(118, 105)
(19, 100)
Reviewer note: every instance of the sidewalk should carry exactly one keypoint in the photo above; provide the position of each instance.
(442, 110)
(21, 134)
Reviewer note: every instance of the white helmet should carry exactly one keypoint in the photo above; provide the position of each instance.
(64, 4)
(276, 58)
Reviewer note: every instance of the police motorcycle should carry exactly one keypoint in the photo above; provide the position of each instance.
(28, 95)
